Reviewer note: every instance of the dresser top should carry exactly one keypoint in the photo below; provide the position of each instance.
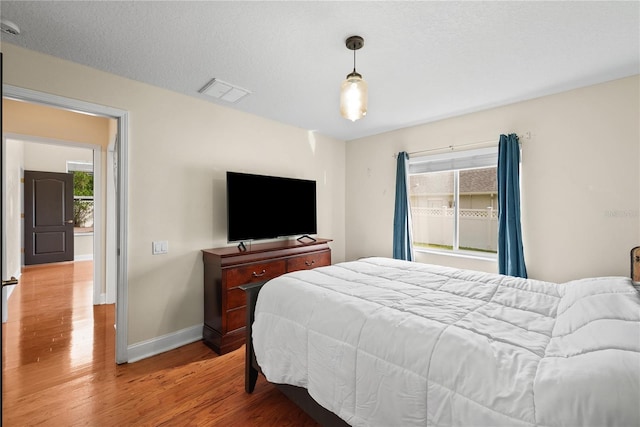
(255, 248)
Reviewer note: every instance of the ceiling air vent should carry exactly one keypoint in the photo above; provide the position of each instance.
(218, 89)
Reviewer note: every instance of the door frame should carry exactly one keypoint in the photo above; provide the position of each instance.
(119, 250)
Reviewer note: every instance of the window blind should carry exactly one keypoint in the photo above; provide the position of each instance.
(468, 159)
(73, 166)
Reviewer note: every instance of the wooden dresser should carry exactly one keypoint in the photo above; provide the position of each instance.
(227, 268)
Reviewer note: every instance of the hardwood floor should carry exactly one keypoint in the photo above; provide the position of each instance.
(58, 368)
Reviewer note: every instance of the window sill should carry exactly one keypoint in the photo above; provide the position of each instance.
(459, 254)
(83, 231)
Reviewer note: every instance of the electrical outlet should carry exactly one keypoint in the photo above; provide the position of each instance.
(160, 247)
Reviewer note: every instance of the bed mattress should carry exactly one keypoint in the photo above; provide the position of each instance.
(383, 342)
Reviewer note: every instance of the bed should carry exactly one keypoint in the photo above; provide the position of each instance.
(383, 342)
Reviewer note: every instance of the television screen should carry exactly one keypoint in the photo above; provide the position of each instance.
(265, 207)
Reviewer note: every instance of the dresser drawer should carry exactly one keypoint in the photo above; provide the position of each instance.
(236, 297)
(257, 272)
(236, 318)
(308, 261)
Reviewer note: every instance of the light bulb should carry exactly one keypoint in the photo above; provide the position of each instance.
(353, 97)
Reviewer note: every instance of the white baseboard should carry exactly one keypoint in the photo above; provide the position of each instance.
(101, 299)
(167, 342)
(86, 257)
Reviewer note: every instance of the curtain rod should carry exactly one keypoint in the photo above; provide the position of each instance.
(526, 135)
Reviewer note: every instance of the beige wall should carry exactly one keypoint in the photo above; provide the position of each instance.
(38, 120)
(580, 180)
(179, 150)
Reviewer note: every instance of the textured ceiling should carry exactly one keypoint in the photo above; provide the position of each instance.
(423, 61)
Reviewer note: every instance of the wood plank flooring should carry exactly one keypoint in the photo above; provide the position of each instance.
(58, 368)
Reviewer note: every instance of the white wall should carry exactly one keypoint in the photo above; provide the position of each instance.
(53, 158)
(179, 150)
(580, 180)
(13, 204)
(13, 159)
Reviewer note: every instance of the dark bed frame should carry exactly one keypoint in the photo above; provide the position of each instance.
(300, 396)
(635, 264)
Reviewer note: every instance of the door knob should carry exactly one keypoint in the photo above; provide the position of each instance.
(12, 281)
(69, 221)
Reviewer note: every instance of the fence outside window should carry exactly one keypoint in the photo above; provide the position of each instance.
(433, 228)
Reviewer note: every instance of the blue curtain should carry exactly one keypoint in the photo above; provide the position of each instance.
(510, 253)
(402, 239)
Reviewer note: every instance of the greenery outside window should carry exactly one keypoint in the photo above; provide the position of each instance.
(82, 196)
(453, 200)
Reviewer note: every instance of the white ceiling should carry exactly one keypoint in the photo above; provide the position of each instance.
(423, 61)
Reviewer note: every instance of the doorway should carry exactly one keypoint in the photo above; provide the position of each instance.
(51, 167)
(116, 224)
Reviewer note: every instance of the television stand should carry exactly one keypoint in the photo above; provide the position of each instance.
(228, 268)
(306, 236)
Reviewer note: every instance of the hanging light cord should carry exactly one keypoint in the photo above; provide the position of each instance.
(354, 60)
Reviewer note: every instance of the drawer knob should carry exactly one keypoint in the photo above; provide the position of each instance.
(309, 264)
(254, 274)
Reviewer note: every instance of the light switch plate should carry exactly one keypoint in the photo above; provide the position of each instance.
(160, 247)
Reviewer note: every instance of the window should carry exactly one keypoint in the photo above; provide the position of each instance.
(82, 196)
(454, 202)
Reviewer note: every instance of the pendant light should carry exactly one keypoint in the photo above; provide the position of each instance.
(353, 92)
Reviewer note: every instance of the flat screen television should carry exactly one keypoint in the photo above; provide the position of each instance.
(266, 207)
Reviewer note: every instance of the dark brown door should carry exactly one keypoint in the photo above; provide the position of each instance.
(48, 217)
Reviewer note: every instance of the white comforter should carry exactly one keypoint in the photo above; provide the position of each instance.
(382, 342)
